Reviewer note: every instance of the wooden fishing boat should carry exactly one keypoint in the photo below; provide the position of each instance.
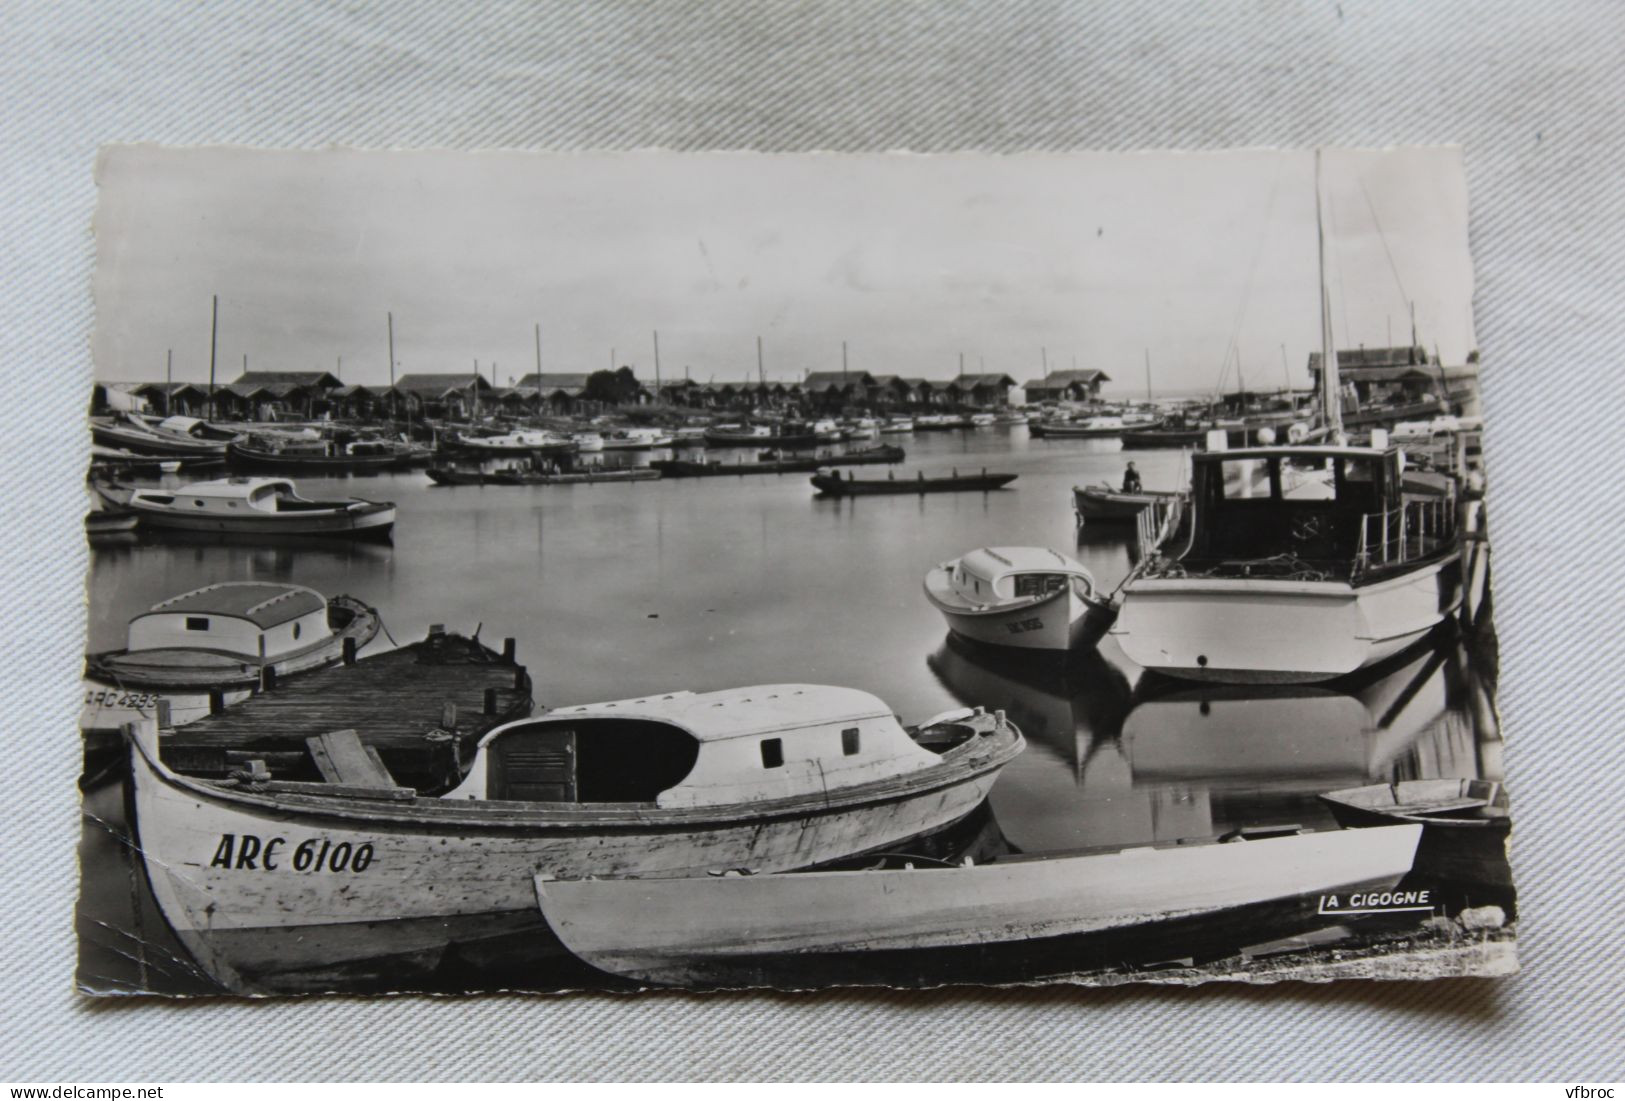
(527, 442)
(171, 436)
(1095, 428)
(265, 878)
(1104, 505)
(251, 506)
(322, 456)
(897, 426)
(761, 435)
(1030, 598)
(229, 639)
(683, 468)
(452, 476)
(831, 484)
(1292, 564)
(732, 929)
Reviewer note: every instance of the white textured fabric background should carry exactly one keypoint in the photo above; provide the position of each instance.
(1534, 93)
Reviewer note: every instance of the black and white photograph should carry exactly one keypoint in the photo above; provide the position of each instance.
(557, 572)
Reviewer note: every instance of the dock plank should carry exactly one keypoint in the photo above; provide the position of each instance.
(394, 701)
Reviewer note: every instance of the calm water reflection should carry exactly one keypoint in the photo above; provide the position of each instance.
(625, 589)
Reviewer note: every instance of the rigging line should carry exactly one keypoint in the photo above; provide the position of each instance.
(1252, 270)
(1383, 237)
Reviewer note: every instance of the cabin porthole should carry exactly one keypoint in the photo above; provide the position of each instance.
(850, 741)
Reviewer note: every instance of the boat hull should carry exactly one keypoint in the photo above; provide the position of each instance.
(152, 443)
(373, 521)
(1096, 505)
(833, 486)
(714, 930)
(1062, 621)
(1263, 631)
(431, 863)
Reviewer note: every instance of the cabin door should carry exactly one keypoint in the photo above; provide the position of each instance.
(535, 766)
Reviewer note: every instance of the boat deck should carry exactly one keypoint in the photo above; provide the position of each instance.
(423, 707)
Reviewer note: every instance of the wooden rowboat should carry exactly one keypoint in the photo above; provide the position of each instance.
(830, 484)
(267, 882)
(1465, 824)
(732, 930)
(1105, 505)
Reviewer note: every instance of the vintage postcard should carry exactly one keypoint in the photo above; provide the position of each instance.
(545, 572)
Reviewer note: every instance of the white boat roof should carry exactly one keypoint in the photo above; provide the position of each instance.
(736, 712)
(180, 424)
(263, 603)
(995, 562)
(231, 487)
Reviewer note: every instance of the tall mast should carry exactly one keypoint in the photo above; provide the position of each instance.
(657, 364)
(1331, 404)
(1148, 374)
(761, 371)
(214, 328)
(538, 355)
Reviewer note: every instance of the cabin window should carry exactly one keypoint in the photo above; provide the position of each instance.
(849, 741)
(158, 498)
(296, 631)
(197, 623)
(1039, 584)
(197, 503)
(772, 752)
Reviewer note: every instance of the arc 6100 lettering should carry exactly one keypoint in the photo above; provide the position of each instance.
(251, 853)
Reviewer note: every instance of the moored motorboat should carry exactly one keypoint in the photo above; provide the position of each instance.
(1104, 505)
(105, 523)
(263, 880)
(252, 506)
(637, 439)
(1031, 598)
(588, 442)
(897, 426)
(1289, 564)
(524, 442)
(1092, 428)
(224, 639)
(733, 930)
(831, 484)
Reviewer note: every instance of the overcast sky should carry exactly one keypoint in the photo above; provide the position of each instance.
(1094, 260)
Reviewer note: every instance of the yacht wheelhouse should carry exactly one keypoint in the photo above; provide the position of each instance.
(1293, 563)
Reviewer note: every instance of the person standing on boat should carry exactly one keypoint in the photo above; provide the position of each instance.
(1131, 479)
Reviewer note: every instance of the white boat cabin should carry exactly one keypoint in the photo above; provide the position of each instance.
(1252, 509)
(226, 496)
(251, 618)
(1004, 575)
(709, 749)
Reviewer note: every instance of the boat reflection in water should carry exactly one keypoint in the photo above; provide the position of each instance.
(1168, 761)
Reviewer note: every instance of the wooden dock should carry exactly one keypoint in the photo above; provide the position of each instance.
(423, 708)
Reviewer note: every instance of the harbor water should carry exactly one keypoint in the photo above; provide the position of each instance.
(619, 590)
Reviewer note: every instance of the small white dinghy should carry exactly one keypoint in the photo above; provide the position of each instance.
(713, 930)
(1030, 598)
